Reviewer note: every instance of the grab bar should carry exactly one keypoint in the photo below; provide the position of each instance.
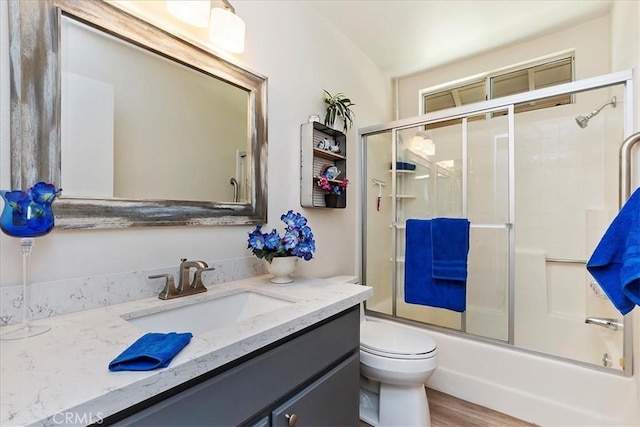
(234, 182)
(565, 261)
(605, 322)
(625, 167)
(625, 192)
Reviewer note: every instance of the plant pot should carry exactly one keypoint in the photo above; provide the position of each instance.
(331, 200)
(335, 201)
(282, 268)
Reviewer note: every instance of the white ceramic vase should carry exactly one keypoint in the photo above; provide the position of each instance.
(282, 268)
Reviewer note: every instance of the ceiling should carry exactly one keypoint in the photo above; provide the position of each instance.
(406, 36)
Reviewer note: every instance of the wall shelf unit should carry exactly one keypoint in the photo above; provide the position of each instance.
(314, 159)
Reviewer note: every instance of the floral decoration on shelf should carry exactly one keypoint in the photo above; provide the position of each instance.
(297, 239)
(328, 182)
(29, 213)
(332, 188)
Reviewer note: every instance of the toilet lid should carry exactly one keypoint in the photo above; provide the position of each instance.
(395, 340)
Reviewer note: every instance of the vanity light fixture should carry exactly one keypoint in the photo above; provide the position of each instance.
(422, 145)
(226, 29)
(193, 12)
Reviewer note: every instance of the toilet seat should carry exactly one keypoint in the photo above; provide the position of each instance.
(395, 341)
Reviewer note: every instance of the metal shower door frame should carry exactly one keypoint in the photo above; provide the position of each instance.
(622, 77)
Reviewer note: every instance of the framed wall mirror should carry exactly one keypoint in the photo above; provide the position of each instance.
(139, 127)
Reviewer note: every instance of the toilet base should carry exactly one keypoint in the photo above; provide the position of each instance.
(369, 407)
(387, 405)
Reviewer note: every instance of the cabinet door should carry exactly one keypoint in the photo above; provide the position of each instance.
(263, 422)
(332, 400)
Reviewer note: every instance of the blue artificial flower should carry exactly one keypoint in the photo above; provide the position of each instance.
(293, 220)
(256, 239)
(304, 250)
(272, 240)
(290, 239)
(306, 233)
(297, 240)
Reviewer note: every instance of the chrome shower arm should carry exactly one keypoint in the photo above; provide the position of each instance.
(613, 103)
(583, 121)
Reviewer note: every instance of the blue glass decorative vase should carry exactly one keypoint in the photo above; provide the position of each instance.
(27, 214)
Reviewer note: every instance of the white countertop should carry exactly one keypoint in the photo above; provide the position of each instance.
(62, 376)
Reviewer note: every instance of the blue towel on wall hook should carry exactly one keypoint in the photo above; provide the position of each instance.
(151, 351)
(615, 263)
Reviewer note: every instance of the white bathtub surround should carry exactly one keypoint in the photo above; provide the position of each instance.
(67, 296)
(65, 371)
(532, 388)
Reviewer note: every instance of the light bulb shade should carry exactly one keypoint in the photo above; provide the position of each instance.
(193, 12)
(227, 30)
(421, 144)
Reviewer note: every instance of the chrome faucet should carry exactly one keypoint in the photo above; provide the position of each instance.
(185, 287)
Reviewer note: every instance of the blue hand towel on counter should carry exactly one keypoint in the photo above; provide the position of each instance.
(449, 248)
(419, 285)
(151, 351)
(615, 263)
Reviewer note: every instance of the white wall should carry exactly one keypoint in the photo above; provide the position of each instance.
(589, 40)
(301, 54)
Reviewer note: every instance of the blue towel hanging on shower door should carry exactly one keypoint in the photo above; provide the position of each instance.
(420, 287)
(615, 263)
(449, 248)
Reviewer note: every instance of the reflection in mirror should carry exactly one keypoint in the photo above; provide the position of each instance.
(138, 126)
(176, 136)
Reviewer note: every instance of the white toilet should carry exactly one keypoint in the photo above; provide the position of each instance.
(395, 362)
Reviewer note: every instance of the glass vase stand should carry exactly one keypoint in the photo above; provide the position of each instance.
(27, 329)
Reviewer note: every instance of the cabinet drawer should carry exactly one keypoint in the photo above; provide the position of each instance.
(332, 400)
(238, 394)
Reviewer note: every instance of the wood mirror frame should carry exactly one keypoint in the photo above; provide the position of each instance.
(35, 99)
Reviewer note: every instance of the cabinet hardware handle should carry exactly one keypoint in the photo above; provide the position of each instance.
(292, 418)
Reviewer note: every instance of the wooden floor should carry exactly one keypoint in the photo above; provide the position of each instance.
(448, 411)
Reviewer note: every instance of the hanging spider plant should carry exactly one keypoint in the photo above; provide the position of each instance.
(338, 106)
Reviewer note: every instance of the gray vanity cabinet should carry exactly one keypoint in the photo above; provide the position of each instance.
(322, 402)
(308, 379)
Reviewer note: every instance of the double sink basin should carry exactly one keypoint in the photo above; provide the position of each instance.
(204, 312)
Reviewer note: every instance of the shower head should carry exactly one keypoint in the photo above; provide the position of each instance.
(583, 121)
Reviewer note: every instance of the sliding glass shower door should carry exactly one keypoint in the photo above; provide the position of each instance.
(539, 190)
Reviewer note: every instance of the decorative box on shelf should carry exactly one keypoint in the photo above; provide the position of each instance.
(321, 147)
